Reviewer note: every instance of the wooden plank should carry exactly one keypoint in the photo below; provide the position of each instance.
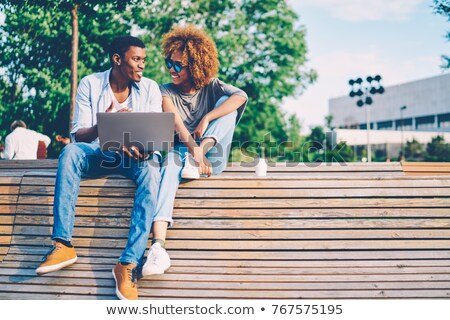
(6, 229)
(256, 278)
(219, 271)
(259, 294)
(51, 296)
(7, 209)
(256, 193)
(239, 263)
(255, 203)
(34, 164)
(329, 294)
(8, 180)
(6, 219)
(298, 203)
(8, 199)
(372, 244)
(310, 175)
(5, 240)
(146, 284)
(9, 190)
(271, 175)
(218, 182)
(393, 166)
(426, 166)
(247, 234)
(253, 213)
(191, 255)
(308, 167)
(282, 224)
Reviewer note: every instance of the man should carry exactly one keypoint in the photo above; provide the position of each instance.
(120, 89)
(22, 143)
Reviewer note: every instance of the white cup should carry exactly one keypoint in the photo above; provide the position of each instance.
(261, 167)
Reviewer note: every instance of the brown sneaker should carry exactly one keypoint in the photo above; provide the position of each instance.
(58, 257)
(126, 281)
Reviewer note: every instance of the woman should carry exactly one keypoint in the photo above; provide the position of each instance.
(206, 113)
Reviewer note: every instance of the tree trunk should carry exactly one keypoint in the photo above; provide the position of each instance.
(74, 66)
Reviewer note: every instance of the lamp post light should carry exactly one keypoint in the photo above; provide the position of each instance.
(364, 90)
(401, 123)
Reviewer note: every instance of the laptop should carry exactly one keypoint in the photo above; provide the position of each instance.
(147, 131)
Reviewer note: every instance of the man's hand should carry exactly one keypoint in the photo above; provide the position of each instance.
(111, 109)
(201, 128)
(134, 153)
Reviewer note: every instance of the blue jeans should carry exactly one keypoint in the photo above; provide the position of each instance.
(221, 130)
(79, 160)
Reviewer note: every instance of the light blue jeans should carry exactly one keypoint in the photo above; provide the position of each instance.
(221, 130)
(79, 160)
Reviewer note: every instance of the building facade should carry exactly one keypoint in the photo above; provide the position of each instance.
(422, 105)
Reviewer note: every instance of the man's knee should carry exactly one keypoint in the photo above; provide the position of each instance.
(71, 152)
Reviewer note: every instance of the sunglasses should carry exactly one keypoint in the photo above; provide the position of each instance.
(177, 66)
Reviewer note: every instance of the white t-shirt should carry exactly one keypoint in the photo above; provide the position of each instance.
(22, 144)
(128, 103)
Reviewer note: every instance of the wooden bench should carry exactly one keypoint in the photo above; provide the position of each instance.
(426, 168)
(355, 231)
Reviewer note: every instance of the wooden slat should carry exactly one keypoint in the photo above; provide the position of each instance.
(144, 284)
(195, 255)
(371, 244)
(246, 271)
(244, 213)
(257, 193)
(426, 168)
(8, 199)
(9, 190)
(240, 263)
(262, 224)
(241, 294)
(219, 182)
(254, 203)
(248, 234)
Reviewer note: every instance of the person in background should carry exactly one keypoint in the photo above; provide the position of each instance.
(2, 151)
(22, 143)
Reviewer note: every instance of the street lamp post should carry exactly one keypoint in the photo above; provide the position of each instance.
(401, 123)
(365, 90)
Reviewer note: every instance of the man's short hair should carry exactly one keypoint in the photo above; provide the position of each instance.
(17, 123)
(121, 44)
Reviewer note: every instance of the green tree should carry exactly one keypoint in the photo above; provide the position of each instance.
(414, 150)
(443, 7)
(261, 46)
(36, 55)
(74, 7)
(438, 150)
(319, 148)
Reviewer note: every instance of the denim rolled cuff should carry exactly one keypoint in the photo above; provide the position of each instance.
(211, 137)
(166, 219)
(129, 261)
(53, 237)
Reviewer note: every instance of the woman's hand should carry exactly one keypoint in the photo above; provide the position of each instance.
(204, 165)
(201, 128)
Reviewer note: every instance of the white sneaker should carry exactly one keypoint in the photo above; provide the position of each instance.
(158, 261)
(190, 170)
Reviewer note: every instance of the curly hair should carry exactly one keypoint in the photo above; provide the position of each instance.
(198, 50)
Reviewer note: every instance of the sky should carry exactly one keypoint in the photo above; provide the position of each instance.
(401, 40)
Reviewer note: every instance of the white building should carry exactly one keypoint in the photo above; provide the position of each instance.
(427, 104)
